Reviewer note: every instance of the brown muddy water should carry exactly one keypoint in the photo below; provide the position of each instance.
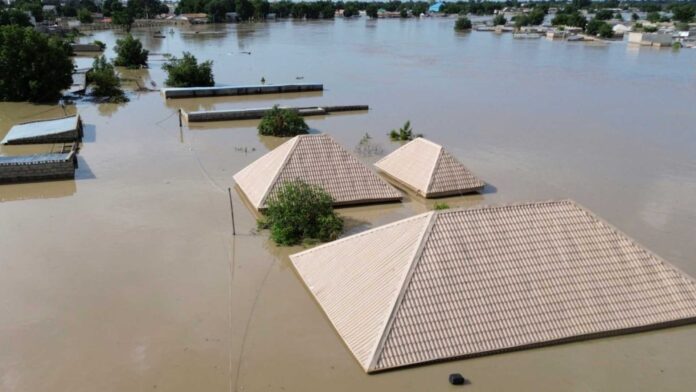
(128, 278)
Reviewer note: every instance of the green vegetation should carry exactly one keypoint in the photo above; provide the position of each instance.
(569, 16)
(84, 16)
(301, 212)
(499, 20)
(635, 17)
(681, 26)
(351, 9)
(34, 67)
(653, 17)
(372, 10)
(441, 206)
(683, 12)
(533, 18)
(130, 53)
(462, 24)
(603, 14)
(650, 29)
(100, 44)
(404, 133)
(14, 17)
(676, 45)
(282, 123)
(599, 28)
(186, 72)
(105, 83)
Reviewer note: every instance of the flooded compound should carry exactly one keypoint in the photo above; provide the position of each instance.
(128, 278)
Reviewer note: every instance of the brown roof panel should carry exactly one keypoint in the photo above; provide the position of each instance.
(496, 279)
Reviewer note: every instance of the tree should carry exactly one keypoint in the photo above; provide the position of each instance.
(371, 10)
(499, 20)
(462, 24)
(298, 212)
(574, 19)
(123, 18)
(350, 10)
(186, 72)
(261, 9)
(683, 12)
(14, 17)
(653, 17)
(130, 53)
(282, 122)
(604, 14)
(34, 67)
(105, 83)
(605, 31)
(635, 17)
(404, 133)
(84, 16)
(217, 10)
(245, 9)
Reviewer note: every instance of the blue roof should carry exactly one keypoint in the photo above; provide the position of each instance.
(436, 7)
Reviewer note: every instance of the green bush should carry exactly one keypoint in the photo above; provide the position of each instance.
(14, 17)
(33, 66)
(595, 25)
(650, 29)
(84, 16)
(300, 212)
(186, 72)
(282, 122)
(462, 24)
(404, 133)
(371, 10)
(105, 83)
(100, 44)
(653, 17)
(441, 206)
(683, 12)
(604, 14)
(130, 53)
(605, 31)
(499, 20)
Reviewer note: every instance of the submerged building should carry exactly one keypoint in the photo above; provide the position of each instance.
(317, 160)
(60, 130)
(469, 282)
(426, 168)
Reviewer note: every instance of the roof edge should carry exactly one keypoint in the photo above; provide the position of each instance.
(294, 141)
(377, 352)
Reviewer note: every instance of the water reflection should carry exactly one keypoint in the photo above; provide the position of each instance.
(38, 190)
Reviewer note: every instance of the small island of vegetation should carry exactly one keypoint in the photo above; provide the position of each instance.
(301, 212)
(283, 123)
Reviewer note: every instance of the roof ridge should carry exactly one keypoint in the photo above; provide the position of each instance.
(49, 119)
(503, 206)
(295, 141)
(435, 167)
(377, 353)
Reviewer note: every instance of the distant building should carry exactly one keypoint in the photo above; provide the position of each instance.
(435, 7)
(650, 39)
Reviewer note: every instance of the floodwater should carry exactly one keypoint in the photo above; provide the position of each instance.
(129, 278)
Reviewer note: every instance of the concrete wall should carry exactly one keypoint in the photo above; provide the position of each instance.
(43, 171)
(190, 92)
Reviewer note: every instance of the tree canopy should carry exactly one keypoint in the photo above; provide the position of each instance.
(282, 122)
(34, 67)
(300, 212)
(130, 53)
(186, 72)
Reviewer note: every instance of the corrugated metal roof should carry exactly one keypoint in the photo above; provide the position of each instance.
(360, 299)
(429, 170)
(496, 279)
(37, 129)
(33, 159)
(317, 160)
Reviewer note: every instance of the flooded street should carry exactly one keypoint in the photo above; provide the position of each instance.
(129, 278)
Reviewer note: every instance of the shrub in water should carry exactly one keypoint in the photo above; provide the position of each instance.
(404, 133)
(186, 72)
(301, 212)
(463, 23)
(282, 122)
(441, 206)
(105, 83)
(130, 53)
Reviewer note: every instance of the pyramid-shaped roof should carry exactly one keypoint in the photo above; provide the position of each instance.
(469, 282)
(429, 170)
(317, 160)
(57, 130)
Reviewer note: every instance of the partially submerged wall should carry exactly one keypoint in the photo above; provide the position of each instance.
(42, 167)
(191, 92)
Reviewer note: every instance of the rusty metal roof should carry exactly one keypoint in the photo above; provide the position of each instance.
(429, 170)
(490, 279)
(317, 160)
